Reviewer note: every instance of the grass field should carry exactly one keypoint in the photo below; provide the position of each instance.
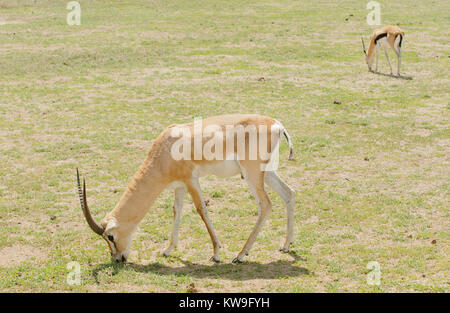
(371, 173)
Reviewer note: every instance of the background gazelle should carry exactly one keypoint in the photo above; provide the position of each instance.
(160, 170)
(384, 37)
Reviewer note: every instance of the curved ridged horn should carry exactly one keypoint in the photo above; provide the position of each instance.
(364, 46)
(84, 206)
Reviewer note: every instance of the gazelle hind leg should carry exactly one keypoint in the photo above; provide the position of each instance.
(177, 208)
(398, 51)
(255, 178)
(195, 191)
(288, 195)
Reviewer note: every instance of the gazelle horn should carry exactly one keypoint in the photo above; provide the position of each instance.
(84, 206)
(364, 46)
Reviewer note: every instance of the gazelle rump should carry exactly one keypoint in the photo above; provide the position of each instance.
(160, 170)
(385, 37)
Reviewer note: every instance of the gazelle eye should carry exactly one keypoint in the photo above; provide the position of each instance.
(111, 238)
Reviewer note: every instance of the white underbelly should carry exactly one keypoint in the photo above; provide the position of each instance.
(225, 168)
(383, 42)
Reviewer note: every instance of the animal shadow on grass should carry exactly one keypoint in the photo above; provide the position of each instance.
(244, 271)
(393, 76)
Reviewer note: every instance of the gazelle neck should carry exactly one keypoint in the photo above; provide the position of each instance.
(140, 195)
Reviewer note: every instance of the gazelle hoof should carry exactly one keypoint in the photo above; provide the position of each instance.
(214, 259)
(284, 250)
(236, 261)
(167, 252)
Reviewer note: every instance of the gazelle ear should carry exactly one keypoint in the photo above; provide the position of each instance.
(112, 223)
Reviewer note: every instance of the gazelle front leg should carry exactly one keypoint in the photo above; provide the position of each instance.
(255, 179)
(387, 57)
(196, 194)
(378, 54)
(177, 208)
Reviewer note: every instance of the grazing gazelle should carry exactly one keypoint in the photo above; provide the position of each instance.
(164, 168)
(384, 37)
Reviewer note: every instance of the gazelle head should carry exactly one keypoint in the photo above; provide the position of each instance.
(369, 58)
(117, 237)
